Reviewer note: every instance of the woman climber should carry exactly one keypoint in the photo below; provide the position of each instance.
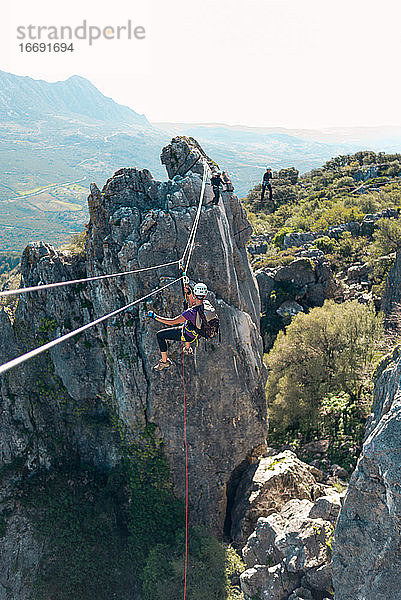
(191, 325)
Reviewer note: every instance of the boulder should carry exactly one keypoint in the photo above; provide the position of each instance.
(266, 284)
(358, 272)
(326, 508)
(266, 486)
(260, 547)
(306, 282)
(182, 155)
(354, 228)
(303, 541)
(271, 583)
(289, 309)
(319, 579)
(300, 272)
(298, 239)
(368, 226)
(293, 543)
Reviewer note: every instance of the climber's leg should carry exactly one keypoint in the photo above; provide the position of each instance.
(188, 348)
(172, 333)
(216, 191)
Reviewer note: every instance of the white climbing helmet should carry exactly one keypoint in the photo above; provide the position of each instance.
(200, 289)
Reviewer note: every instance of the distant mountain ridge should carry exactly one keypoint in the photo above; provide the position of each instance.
(68, 131)
(376, 138)
(23, 98)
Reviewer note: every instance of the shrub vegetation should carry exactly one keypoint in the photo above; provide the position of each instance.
(319, 382)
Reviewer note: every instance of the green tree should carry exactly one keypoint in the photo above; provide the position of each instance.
(387, 236)
(213, 570)
(328, 351)
(291, 174)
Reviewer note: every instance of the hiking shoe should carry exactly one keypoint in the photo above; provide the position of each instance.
(189, 351)
(162, 365)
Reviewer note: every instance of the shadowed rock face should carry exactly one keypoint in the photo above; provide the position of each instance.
(367, 557)
(284, 291)
(137, 222)
(392, 296)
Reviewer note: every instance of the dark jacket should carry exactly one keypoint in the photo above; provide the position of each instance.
(267, 176)
(216, 180)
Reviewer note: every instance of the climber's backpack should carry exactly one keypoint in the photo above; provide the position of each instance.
(207, 321)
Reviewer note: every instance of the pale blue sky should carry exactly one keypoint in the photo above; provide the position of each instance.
(291, 63)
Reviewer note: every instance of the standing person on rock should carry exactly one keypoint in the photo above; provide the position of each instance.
(217, 184)
(227, 181)
(190, 322)
(266, 185)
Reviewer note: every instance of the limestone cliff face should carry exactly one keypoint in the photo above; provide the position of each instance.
(392, 295)
(366, 556)
(59, 403)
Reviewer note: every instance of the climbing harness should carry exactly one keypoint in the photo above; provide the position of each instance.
(191, 332)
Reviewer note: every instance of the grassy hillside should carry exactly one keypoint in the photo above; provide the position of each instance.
(333, 194)
(344, 189)
(321, 363)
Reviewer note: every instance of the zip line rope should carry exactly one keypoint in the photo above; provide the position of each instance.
(186, 255)
(192, 236)
(191, 240)
(184, 263)
(24, 357)
(38, 288)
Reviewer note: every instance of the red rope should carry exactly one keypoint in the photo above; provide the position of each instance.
(186, 478)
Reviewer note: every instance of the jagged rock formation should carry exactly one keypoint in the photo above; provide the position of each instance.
(288, 555)
(366, 550)
(267, 485)
(284, 291)
(59, 405)
(357, 281)
(392, 295)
